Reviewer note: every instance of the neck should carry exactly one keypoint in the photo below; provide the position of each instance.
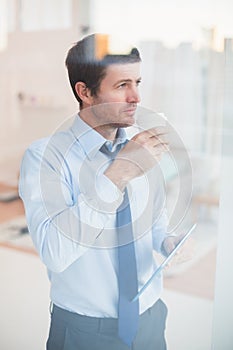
(108, 131)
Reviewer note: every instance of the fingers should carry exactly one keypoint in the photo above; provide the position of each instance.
(153, 132)
(153, 137)
(141, 153)
(186, 252)
(157, 130)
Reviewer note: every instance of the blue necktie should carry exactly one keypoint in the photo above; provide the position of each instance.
(128, 312)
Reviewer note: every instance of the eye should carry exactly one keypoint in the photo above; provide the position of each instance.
(138, 82)
(122, 85)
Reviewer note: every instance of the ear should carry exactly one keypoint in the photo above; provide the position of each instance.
(83, 92)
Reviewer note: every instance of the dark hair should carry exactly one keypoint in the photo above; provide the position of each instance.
(88, 59)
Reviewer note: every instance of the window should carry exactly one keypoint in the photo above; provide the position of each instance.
(45, 15)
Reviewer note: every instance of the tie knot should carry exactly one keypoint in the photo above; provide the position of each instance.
(110, 150)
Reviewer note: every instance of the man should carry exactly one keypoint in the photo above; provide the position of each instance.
(94, 203)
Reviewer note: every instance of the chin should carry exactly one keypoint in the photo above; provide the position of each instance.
(125, 124)
(128, 122)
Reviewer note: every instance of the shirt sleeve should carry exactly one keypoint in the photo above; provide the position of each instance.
(62, 227)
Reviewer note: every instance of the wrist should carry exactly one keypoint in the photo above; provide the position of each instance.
(118, 179)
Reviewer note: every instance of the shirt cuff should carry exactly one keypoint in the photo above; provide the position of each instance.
(162, 249)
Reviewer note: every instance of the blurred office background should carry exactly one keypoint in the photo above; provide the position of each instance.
(187, 71)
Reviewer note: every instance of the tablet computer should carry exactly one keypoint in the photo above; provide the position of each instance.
(166, 261)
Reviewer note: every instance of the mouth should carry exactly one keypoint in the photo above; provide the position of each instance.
(130, 111)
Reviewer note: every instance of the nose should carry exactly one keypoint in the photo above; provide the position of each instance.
(133, 95)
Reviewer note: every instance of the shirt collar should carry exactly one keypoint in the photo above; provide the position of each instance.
(91, 141)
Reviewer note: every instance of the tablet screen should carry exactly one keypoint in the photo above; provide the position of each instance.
(166, 261)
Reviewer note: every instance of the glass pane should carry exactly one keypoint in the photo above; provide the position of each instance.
(45, 15)
(183, 62)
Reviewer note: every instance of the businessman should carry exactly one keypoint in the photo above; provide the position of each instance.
(95, 208)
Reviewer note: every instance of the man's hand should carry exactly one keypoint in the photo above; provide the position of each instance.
(184, 253)
(139, 155)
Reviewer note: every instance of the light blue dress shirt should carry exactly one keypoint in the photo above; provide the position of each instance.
(71, 214)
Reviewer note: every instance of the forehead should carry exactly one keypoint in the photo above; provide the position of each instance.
(116, 72)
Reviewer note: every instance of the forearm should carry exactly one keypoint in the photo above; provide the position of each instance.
(63, 224)
(65, 237)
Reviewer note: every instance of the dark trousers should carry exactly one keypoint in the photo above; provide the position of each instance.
(70, 331)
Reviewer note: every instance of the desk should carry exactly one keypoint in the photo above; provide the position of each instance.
(9, 210)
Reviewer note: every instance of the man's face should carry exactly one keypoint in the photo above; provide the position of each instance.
(118, 95)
